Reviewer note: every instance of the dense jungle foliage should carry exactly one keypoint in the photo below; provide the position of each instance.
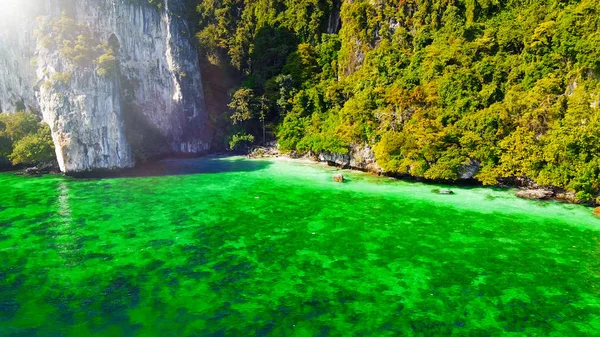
(432, 85)
(25, 140)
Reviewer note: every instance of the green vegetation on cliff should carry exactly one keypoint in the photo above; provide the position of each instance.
(76, 44)
(508, 85)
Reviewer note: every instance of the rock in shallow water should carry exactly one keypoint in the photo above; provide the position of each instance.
(37, 171)
(567, 196)
(338, 178)
(597, 211)
(535, 194)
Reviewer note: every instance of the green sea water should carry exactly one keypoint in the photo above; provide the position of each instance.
(233, 247)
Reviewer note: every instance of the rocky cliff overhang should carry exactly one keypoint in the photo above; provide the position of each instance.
(133, 91)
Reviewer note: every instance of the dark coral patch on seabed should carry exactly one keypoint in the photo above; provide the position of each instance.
(231, 247)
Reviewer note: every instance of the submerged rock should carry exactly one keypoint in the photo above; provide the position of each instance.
(338, 178)
(446, 192)
(535, 194)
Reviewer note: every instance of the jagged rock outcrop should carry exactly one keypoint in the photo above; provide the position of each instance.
(535, 194)
(359, 157)
(87, 123)
(151, 103)
(334, 21)
(574, 84)
(468, 171)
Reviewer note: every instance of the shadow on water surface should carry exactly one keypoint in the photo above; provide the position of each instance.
(172, 167)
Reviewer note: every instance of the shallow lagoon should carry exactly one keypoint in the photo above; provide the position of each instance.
(232, 247)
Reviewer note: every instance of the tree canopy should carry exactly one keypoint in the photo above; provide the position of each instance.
(25, 140)
(431, 85)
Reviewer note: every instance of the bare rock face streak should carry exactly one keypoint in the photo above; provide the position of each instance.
(152, 103)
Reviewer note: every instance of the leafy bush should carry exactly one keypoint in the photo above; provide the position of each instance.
(34, 148)
(240, 140)
(107, 63)
(18, 125)
(25, 140)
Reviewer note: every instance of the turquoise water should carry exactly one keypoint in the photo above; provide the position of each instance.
(233, 247)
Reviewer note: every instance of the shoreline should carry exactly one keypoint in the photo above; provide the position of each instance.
(525, 188)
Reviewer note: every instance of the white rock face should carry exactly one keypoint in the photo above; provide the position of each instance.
(17, 46)
(86, 121)
(153, 104)
(360, 156)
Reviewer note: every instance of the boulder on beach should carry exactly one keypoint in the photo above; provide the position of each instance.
(567, 196)
(338, 178)
(535, 194)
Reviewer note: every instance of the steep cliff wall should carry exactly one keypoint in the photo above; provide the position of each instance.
(149, 102)
(17, 46)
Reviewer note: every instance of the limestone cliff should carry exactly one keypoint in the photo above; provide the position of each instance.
(150, 102)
